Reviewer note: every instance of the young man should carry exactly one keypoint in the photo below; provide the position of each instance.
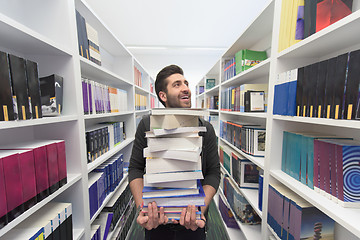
(173, 91)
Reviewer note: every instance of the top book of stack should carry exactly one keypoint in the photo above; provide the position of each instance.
(180, 111)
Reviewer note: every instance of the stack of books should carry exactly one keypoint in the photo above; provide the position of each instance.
(173, 161)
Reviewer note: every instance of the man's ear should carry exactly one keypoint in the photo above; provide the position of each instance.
(162, 96)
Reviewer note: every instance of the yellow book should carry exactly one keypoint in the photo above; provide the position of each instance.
(293, 22)
(288, 17)
(282, 25)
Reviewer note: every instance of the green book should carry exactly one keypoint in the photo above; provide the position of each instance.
(251, 58)
(210, 83)
(239, 61)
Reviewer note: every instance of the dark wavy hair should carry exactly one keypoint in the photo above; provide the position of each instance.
(161, 83)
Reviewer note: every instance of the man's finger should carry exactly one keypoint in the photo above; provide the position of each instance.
(161, 216)
(182, 216)
(193, 215)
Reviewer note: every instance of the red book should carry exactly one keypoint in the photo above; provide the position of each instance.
(331, 11)
(28, 177)
(53, 167)
(13, 185)
(61, 157)
(3, 203)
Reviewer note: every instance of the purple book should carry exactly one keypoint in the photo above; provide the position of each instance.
(90, 97)
(107, 226)
(28, 177)
(13, 184)
(85, 97)
(3, 203)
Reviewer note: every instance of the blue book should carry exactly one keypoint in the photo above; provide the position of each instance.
(284, 161)
(179, 201)
(261, 185)
(291, 103)
(281, 93)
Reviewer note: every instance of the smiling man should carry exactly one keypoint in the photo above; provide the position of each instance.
(173, 91)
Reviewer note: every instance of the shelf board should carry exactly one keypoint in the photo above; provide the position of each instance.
(200, 95)
(213, 110)
(24, 40)
(108, 197)
(246, 114)
(354, 124)
(250, 231)
(105, 115)
(36, 122)
(259, 161)
(78, 233)
(141, 90)
(251, 195)
(213, 91)
(142, 111)
(273, 232)
(339, 35)
(91, 166)
(95, 72)
(343, 216)
(71, 180)
(260, 70)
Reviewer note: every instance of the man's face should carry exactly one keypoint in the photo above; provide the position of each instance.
(178, 94)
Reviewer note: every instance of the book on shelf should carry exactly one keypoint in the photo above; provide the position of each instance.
(251, 87)
(294, 218)
(33, 84)
(51, 88)
(95, 233)
(337, 172)
(7, 111)
(94, 185)
(254, 101)
(104, 221)
(52, 221)
(351, 106)
(93, 42)
(227, 215)
(261, 192)
(210, 83)
(19, 87)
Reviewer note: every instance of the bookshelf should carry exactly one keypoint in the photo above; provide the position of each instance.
(263, 34)
(46, 32)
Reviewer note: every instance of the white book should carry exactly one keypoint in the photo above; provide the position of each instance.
(172, 176)
(150, 192)
(160, 132)
(180, 111)
(176, 184)
(151, 134)
(173, 121)
(162, 144)
(190, 154)
(160, 165)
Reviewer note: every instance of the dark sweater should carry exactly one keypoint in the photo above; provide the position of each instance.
(209, 161)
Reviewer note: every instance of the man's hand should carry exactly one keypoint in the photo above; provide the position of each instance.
(188, 219)
(154, 217)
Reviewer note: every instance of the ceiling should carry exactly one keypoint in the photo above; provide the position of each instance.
(191, 33)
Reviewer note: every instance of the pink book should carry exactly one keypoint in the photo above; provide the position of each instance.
(13, 185)
(316, 179)
(61, 157)
(53, 167)
(28, 177)
(3, 206)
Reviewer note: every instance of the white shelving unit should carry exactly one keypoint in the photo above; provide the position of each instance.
(263, 34)
(45, 32)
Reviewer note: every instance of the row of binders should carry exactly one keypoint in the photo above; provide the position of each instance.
(88, 40)
(99, 98)
(242, 61)
(326, 89)
(247, 137)
(173, 161)
(104, 180)
(23, 94)
(212, 102)
(103, 137)
(29, 172)
(52, 221)
(291, 217)
(302, 18)
(138, 77)
(140, 101)
(244, 172)
(245, 98)
(326, 163)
